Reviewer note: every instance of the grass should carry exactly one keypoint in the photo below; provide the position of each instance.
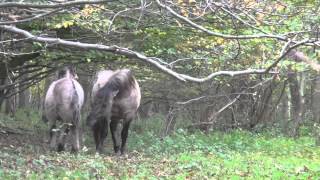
(217, 155)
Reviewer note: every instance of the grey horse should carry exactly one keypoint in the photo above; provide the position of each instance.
(62, 106)
(115, 100)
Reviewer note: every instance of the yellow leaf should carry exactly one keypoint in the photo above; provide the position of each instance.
(279, 7)
(184, 12)
(220, 40)
(58, 26)
(65, 24)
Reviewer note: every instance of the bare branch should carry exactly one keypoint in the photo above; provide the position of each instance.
(128, 53)
(191, 100)
(285, 50)
(32, 18)
(57, 5)
(241, 20)
(113, 18)
(188, 21)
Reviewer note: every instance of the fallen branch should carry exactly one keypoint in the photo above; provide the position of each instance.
(8, 130)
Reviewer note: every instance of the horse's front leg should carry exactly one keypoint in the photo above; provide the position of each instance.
(100, 131)
(115, 127)
(103, 132)
(96, 135)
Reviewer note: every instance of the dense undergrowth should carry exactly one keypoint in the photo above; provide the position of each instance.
(237, 154)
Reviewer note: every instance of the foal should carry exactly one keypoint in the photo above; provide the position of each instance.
(63, 103)
(115, 100)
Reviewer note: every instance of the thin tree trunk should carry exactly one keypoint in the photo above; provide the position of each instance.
(284, 110)
(3, 78)
(24, 95)
(262, 109)
(296, 105)
(316, 99)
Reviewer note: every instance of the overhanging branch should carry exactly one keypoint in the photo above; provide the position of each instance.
(128, 53)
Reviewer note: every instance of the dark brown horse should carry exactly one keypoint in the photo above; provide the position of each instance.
(62, 106)
(115, 100)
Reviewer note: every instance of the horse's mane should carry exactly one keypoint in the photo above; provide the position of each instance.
(68, 72)
(121, 81)
(119, 85)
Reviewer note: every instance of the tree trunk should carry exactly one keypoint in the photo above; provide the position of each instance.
(24, 95)
(316, 99)
(10, 105)
(297, 102)
(262, 109)
(3, 78)
(284, 110)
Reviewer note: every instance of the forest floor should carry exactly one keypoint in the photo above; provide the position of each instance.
(218, 155)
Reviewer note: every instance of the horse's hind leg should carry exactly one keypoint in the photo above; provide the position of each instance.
(124, 135)
(115, 127)
(96, 135)
(52, 136)
(75, 133)
(75, 138)
(62, 140)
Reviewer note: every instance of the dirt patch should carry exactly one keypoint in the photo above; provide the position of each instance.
(23, 142)
(36, 141)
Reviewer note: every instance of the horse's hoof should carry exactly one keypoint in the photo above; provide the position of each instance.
(60, 147)
(117, 154)
(74, 151)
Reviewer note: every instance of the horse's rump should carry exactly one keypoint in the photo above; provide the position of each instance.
(63, 98)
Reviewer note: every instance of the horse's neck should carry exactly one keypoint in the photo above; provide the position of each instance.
(68, 75)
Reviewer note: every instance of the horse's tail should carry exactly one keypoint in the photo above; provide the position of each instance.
(75, 105)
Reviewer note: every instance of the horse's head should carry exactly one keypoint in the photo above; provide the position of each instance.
(101, 106)
(68, 71)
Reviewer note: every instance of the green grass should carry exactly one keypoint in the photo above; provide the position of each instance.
(217, 155)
